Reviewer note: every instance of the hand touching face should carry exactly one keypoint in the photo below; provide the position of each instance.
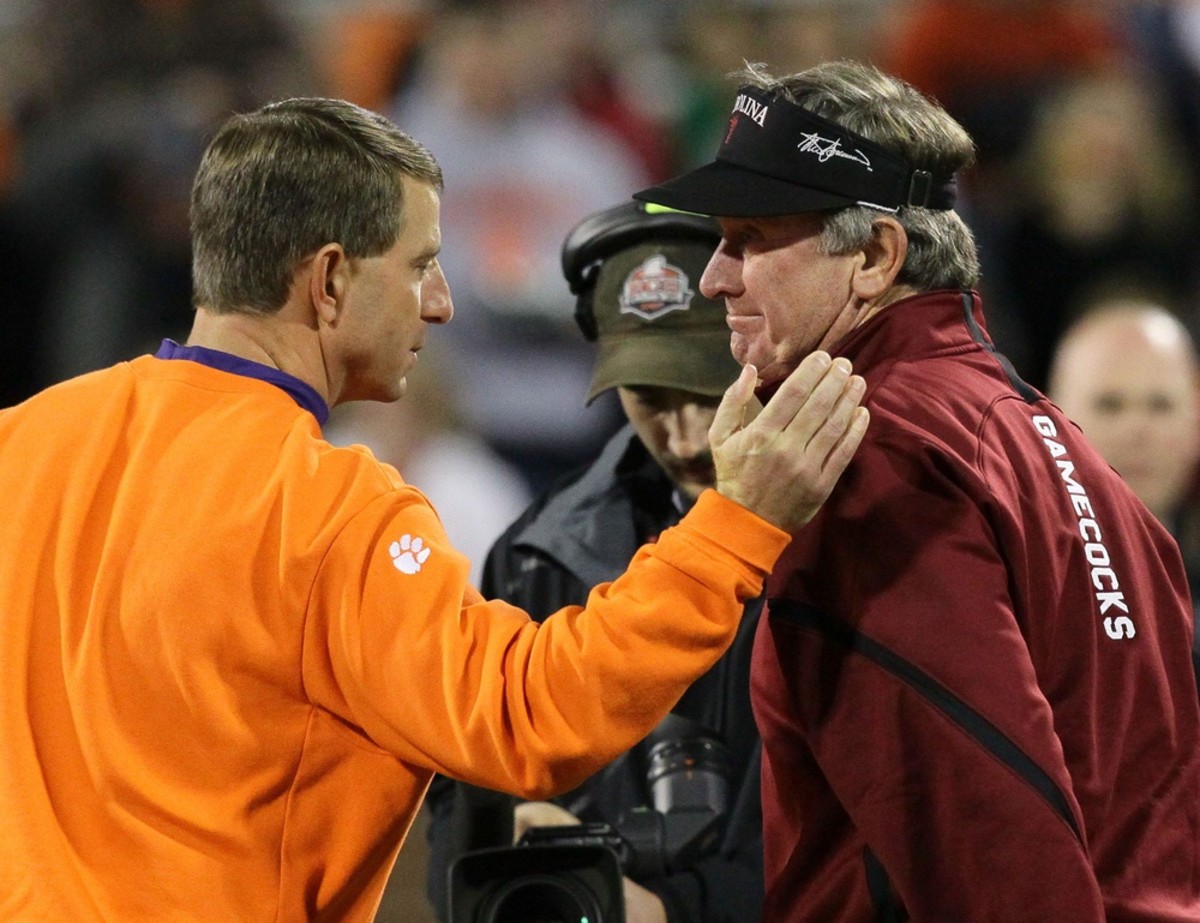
(784, 298)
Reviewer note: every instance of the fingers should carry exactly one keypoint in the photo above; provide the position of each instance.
(829, 426)
(817, 381)
(821, 474)
(731, 412)
(844, 449)
(829, 413)
(817, 399)
(834, 446)
(785, 463)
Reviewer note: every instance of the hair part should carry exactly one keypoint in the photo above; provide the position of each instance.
(941, 248)
(276, 184)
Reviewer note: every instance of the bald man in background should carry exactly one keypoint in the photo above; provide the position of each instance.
(1127, 372)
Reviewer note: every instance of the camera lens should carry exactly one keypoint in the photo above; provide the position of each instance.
(542, 899)
(689, 773)
(695, 754)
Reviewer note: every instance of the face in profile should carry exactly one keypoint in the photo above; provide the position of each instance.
(673, 426)
(784, 297)
(390, 300)
(1128, 378)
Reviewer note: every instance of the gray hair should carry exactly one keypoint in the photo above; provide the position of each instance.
(888, 111)
(277, 184)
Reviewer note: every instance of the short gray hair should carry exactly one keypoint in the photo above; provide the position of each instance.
(890, 112)
(277, 184)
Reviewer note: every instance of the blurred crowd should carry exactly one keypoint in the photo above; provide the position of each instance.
(1086, 114)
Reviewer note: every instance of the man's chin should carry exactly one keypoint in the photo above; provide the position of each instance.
(391, 392)
(771, 373)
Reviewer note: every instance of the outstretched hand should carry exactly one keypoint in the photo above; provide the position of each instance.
(782, 461)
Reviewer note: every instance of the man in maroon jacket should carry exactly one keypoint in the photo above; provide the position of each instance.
(973, 681)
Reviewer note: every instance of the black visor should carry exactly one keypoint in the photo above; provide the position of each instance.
(778, 158)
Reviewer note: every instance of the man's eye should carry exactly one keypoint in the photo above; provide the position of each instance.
(743, 239)
(650, 402)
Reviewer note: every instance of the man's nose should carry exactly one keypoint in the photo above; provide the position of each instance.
(687, 431)
(437, 307)
(720, 277)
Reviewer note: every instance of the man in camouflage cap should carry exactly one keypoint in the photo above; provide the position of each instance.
(635, 271)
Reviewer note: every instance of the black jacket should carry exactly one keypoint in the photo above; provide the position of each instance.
(583, 531)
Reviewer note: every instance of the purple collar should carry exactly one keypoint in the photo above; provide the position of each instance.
(301, 392)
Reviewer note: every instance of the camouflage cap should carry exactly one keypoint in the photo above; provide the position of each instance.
(653, 325)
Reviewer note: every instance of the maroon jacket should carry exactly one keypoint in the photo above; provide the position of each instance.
(974, 683)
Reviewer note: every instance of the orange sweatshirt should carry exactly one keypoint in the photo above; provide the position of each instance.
(232, 655)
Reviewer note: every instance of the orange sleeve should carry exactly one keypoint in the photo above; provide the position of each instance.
(402, 647)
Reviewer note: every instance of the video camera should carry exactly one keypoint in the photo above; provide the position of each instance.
(572, 874)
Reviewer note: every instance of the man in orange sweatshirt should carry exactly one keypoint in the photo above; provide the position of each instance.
(232, 655)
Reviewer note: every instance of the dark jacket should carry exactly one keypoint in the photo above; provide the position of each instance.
(583, 531)
(973, 680)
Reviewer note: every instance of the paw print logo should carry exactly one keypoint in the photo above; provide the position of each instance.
(408, 554)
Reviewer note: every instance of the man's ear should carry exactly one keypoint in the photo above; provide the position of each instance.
(882, 259)
(328, 275)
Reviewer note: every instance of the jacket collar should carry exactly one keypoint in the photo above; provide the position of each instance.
(589, 527)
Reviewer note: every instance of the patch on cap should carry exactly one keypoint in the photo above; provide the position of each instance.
(655, 328)
(655, 288)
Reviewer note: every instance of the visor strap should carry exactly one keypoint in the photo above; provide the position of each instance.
(920, 184)
(924, 193)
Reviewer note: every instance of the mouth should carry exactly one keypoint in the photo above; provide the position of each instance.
(740, 323)
(695, 472)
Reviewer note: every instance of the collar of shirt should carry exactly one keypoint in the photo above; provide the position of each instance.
(301, 392)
